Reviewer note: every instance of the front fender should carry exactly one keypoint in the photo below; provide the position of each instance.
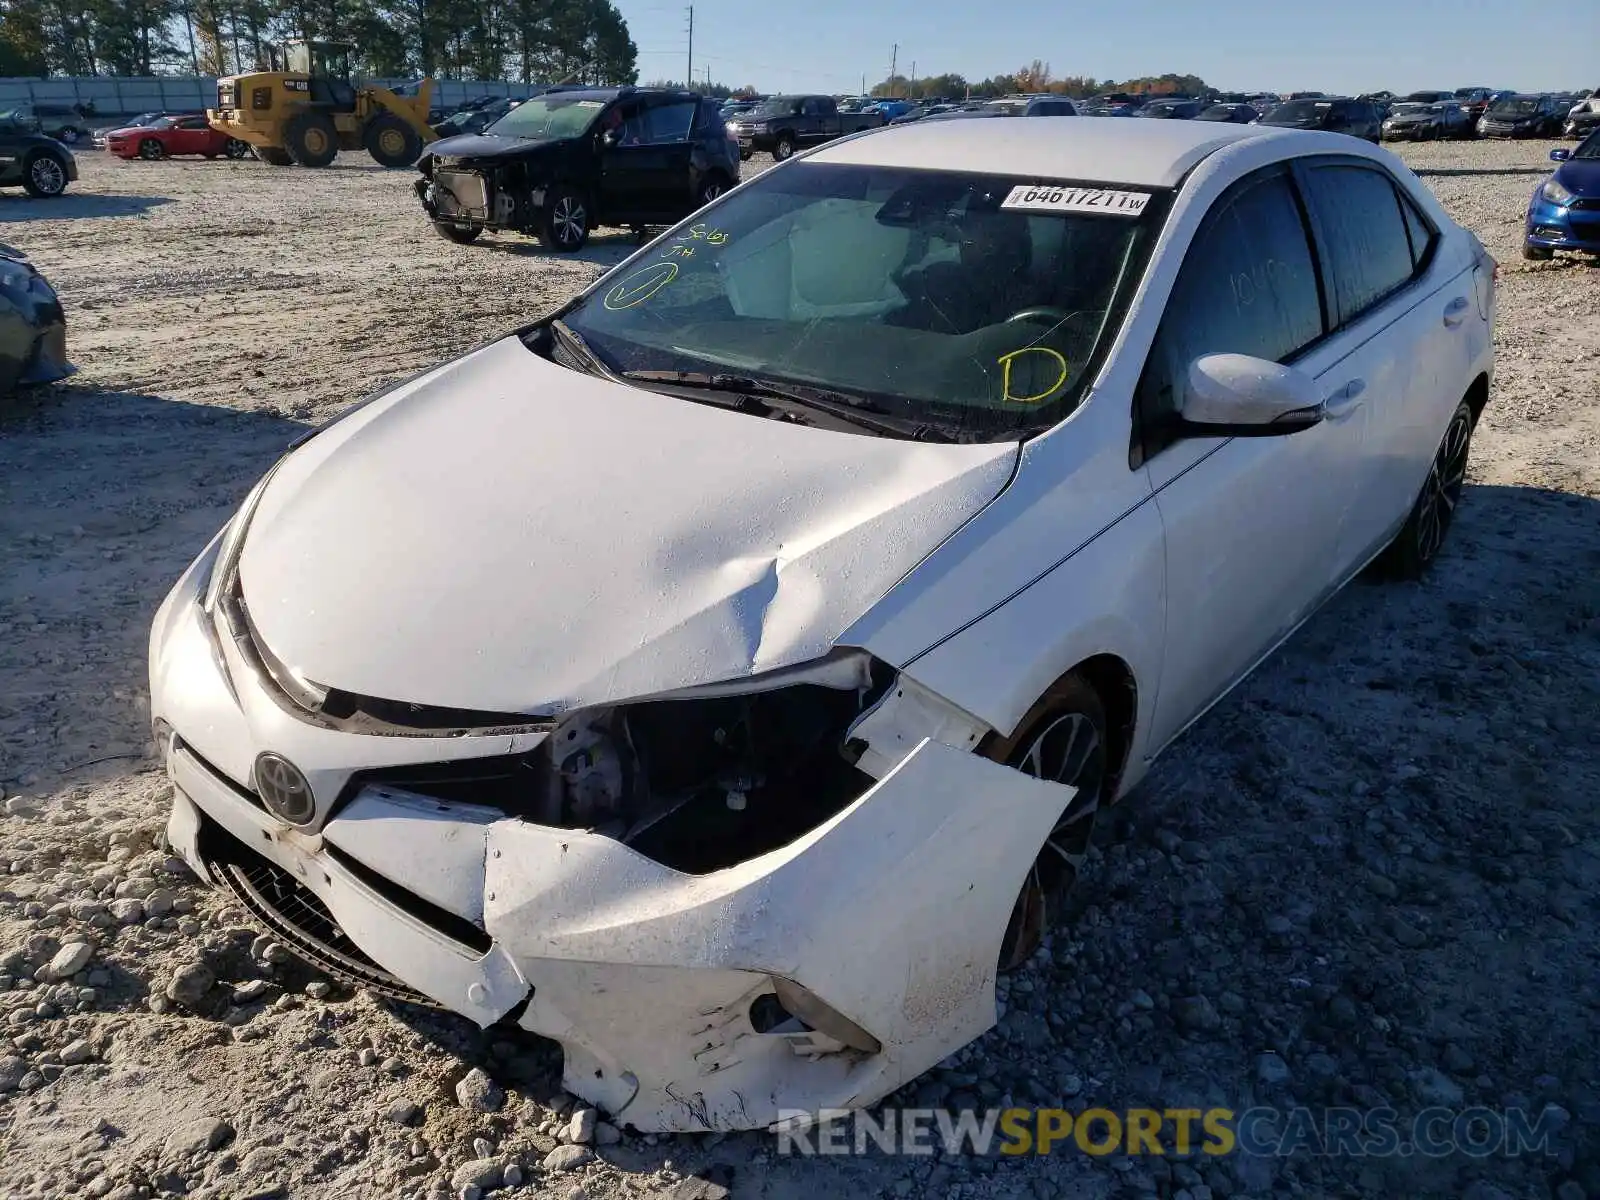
(1109, 598)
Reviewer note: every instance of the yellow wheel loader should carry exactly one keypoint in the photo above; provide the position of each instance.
(305, 110)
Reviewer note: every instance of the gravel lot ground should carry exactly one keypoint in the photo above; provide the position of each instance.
(1367, 878)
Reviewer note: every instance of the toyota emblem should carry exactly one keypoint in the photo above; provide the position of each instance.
(283, 789)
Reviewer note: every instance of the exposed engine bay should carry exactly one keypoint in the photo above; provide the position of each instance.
(696, 783)
(497, 196)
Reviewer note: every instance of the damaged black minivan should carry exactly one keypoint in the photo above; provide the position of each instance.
(562, 163)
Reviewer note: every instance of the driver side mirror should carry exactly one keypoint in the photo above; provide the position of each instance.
(609, 138)
(1237, 395)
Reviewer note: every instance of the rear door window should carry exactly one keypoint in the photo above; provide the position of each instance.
(1364, 235)
(670, 122)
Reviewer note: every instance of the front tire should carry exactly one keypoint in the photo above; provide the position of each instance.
(1417, 544)
(456, 234)
(151, 150)
(44, 176)
(1062, 739)
(783, 148)
(564, 225)
(236, 149)
(311, 139)
(391, 142)
(1537, 253)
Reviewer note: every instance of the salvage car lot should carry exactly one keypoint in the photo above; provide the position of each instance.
(1374, 859)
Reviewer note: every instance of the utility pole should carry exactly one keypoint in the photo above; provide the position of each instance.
(894, 57)
(689, 75)
(911, 91)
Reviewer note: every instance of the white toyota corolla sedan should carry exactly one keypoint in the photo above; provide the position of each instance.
(721, 676)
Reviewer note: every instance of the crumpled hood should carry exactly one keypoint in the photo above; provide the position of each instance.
(490, 145)
(505, 534)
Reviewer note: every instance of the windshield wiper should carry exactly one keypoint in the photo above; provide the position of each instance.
(580, 349)
(842, 406)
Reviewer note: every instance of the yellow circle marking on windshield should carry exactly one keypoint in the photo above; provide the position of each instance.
(1006, 360)
(640, 286)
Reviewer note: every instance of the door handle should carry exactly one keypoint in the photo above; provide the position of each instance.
(1455, 312)
(1345, 401)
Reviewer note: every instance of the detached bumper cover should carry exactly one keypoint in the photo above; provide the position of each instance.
(659, 985)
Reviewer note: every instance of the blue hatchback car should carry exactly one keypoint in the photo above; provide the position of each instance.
(1564, 212)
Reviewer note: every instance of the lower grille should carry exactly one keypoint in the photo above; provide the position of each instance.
(294, 913)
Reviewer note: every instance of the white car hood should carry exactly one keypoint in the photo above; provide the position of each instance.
(507, 535)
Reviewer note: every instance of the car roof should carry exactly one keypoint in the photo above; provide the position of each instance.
(1143, 153)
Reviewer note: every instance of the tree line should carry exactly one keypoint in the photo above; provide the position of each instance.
(584, 41)
(1034, 77)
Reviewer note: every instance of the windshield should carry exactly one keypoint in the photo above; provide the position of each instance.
(549, 117)
(778, 106)
(1589, 148)
(1515, 108)
(969, 303)
(1302, 110)
(1401, 110)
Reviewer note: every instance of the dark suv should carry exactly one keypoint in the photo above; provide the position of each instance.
(1358, 118)
(562, 163)
(1523, 117)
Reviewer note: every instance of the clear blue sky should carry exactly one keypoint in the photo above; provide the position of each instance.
(1278, 45)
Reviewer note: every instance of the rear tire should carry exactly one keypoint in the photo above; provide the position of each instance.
(1417, 544)
(456, 234)
(391, 142)
(711, 187)
(564, 224)
(311, 139)
(1064, 739)
(274, 156)
(44, 176)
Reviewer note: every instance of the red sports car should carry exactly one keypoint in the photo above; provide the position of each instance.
(174, 135)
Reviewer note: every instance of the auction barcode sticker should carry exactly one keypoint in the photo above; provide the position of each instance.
(1047, 198)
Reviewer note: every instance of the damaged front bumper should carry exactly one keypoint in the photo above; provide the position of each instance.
(474, 198)
(820, 974)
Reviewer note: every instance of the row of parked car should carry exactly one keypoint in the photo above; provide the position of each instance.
(1379, 116)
